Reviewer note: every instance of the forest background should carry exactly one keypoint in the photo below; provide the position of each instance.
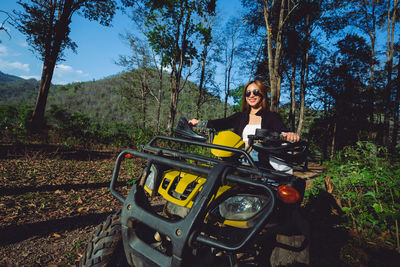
(337, 62)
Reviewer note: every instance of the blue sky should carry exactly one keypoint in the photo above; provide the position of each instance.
(98, 47)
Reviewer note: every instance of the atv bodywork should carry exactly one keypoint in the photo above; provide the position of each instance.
(191, 209)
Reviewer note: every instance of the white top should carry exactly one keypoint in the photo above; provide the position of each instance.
(248, 130)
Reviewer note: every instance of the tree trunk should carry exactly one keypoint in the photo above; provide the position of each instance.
(371, 86)
(293, 99)
(391, 20)
(395, 132)
(203, 70)
(40, 106)
(143, 102)
(333, 145)
(274, 57)
(304, 79)
(160, 97)
(173, 102)
(51, 55)
(229, 55)
(180, 54)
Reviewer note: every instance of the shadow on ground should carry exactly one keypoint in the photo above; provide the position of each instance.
(333, 246)
(16, 233)
(11, 191)
(9, 151)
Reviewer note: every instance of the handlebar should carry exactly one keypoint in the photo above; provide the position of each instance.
(263, 141)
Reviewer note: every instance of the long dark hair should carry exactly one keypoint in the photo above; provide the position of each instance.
(263, 90)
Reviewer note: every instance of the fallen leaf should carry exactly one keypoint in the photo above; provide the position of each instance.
(58, 191)
(81, 209)
(56, 235)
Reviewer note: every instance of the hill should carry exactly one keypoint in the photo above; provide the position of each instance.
(105, 101)
(15, 90)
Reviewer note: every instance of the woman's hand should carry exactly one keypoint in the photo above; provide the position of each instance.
(291, 137)
(193, 122)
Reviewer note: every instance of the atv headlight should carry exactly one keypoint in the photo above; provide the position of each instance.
(242, 207)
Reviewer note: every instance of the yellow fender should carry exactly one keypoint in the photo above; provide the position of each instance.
(226, 138)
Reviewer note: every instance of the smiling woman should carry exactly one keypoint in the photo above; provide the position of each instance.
(254, 115)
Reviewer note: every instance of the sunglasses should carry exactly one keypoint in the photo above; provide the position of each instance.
(255, 92)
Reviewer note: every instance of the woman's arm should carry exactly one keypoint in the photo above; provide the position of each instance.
(218, 124)
(276, 123)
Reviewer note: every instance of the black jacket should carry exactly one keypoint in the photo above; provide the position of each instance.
(269, 120)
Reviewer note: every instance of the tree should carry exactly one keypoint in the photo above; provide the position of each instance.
(159, 56)
(391, 21)
(138, 76)
(276, 15)
(46, 25)
(396, 106)
(205, 31)
(344, 80)
(175, 23)
(230, 48)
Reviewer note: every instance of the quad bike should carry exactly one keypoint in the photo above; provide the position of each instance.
(216, 208)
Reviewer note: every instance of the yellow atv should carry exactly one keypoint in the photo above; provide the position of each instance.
(205, 204)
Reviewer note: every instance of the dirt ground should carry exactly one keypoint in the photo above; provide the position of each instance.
(52, 198)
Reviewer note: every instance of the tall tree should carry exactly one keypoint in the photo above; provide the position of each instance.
(205, 33)
(46, 25)
(175, 22)
(158, 56)
(276, 15)
(347, 76)
(140, 71)
(392, 8)
(230, 47)
(310, 11)
(396, 106)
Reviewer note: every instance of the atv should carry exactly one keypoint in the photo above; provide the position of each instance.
(202, 200)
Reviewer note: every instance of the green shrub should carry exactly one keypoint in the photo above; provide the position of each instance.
(14, 119)
(79, 128)
(70, 129)
(367, 182)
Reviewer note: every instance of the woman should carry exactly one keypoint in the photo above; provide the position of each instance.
(254, 115)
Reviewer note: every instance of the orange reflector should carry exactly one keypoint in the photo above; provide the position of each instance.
(288, 194)
(128, 156)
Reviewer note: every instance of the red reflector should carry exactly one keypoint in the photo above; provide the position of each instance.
(288, 194)
(128, 156)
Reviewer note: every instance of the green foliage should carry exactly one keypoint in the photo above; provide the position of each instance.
(237, 95)
(367, 182)
(46, 24)
(78, 127)
(13, 119)
(71, 129)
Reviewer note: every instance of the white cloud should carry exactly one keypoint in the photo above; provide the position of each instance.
(6, 66)
(64, 74)
(62, 70)
(3, 50)
(30, 77)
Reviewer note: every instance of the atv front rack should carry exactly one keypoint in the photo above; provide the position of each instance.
(184, 232)
(250, 167)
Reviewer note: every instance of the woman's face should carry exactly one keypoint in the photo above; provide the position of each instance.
(253, 96)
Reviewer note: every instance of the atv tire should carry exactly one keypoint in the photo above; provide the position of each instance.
(105, 245)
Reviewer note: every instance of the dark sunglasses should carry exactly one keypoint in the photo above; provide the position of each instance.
(255, 92)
